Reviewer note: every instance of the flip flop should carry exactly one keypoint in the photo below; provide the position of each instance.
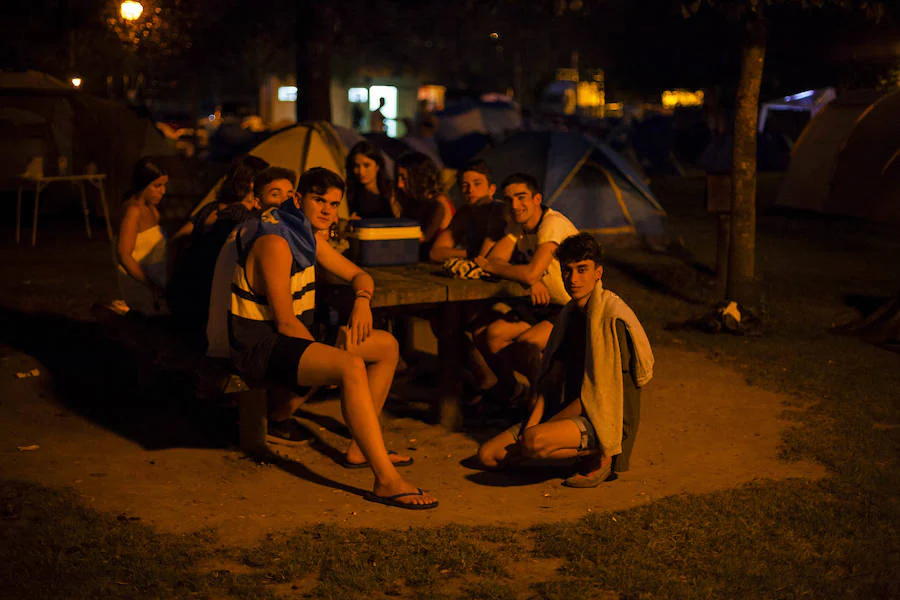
(365, 464)
(590, 481)
(394, 500)
(288, 431)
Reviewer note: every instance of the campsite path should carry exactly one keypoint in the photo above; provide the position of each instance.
(703, 429)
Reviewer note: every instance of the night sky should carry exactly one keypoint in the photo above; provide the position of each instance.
(644, 46)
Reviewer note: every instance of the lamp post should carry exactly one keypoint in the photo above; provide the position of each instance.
(130, 11)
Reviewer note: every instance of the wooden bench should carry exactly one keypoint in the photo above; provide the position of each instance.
(213, 378)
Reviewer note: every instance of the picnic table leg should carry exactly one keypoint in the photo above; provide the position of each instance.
(451, 366)
(253, 423)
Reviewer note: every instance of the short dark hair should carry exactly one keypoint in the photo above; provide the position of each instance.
(529, 181)
(579, 247)
(239, 180)
(319, 180)
(270, 174)
(477, 166)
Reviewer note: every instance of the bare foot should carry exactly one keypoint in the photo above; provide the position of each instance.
(356, 459)
(402, 495)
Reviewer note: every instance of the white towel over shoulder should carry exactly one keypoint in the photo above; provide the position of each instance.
(601, 392)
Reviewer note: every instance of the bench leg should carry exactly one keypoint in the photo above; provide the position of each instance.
(253, 423)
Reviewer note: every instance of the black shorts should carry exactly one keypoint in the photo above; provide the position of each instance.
(531, 314)
(282, 367)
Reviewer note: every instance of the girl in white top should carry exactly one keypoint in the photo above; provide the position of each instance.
(141, 248)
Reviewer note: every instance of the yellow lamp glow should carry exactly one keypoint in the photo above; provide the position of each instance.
(131, 10)
(76, 81)
(673, 98)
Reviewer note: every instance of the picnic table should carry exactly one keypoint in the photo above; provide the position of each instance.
(421, 287)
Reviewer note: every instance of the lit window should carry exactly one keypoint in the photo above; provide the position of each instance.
(358, 95)
(287, 93)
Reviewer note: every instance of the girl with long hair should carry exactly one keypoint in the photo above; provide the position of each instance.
(369, 188)
(141, 247)
(421, 195)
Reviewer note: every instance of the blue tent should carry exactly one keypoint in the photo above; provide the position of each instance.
(582, 178)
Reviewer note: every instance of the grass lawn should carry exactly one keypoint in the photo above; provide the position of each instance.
(834, 538)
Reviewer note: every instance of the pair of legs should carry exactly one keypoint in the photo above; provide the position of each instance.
(380, 353)
(560, 437)
(364, 373)
(509, 346)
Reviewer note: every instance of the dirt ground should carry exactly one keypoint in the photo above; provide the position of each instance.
(702, 429)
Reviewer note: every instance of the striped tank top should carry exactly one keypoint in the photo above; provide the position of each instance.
(252, 330)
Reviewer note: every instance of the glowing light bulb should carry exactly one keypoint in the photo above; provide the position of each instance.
(131, 10)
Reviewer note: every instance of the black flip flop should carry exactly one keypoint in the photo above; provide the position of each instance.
(365, 464)
(288, 431)
(393, 500)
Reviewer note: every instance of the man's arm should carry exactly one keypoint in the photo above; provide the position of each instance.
(270, 275)
(528, 274)
(363, 287)
(445, 246)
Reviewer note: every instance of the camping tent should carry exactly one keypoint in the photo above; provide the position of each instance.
(808, 102)
(584, 179)
(302, 147)
(846, 160)
(41, 117)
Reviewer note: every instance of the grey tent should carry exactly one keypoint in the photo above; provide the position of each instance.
(846, 160)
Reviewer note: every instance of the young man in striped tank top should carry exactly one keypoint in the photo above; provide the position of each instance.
(273, 300)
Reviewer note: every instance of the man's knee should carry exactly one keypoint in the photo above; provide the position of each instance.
(536, 336)
(500, 333)
(353, 369)
(535, 443)
(388, 346)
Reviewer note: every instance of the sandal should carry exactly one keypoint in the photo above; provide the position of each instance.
(288, 430)
(395, 500)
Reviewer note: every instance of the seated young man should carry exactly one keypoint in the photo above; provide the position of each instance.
(526, 255)
(272, 304)
(273, 186)
(478, 224)
(587, 415)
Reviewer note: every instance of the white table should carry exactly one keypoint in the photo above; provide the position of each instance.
(42, 182)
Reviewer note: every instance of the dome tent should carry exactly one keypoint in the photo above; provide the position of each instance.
(302, 147)
(583, 178)
(846, 160)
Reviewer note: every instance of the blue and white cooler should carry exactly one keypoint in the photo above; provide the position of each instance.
(383, 242)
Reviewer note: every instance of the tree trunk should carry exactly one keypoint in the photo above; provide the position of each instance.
(742, 281)
(315, 42)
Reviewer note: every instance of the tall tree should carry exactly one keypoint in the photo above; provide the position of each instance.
(753, 17)
(315, 21)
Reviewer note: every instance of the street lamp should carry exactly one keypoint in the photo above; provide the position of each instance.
(131, 10)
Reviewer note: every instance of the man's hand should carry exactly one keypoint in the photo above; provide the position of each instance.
(540, 295)
(482, 262)
(360, 325)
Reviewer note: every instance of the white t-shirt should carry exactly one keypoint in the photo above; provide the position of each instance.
(554, 227)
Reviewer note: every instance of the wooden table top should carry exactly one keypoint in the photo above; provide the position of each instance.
(421, 283)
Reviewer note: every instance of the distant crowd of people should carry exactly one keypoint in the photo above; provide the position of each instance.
(241, 273)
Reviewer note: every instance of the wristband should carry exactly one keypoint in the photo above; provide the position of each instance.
(367, 294)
